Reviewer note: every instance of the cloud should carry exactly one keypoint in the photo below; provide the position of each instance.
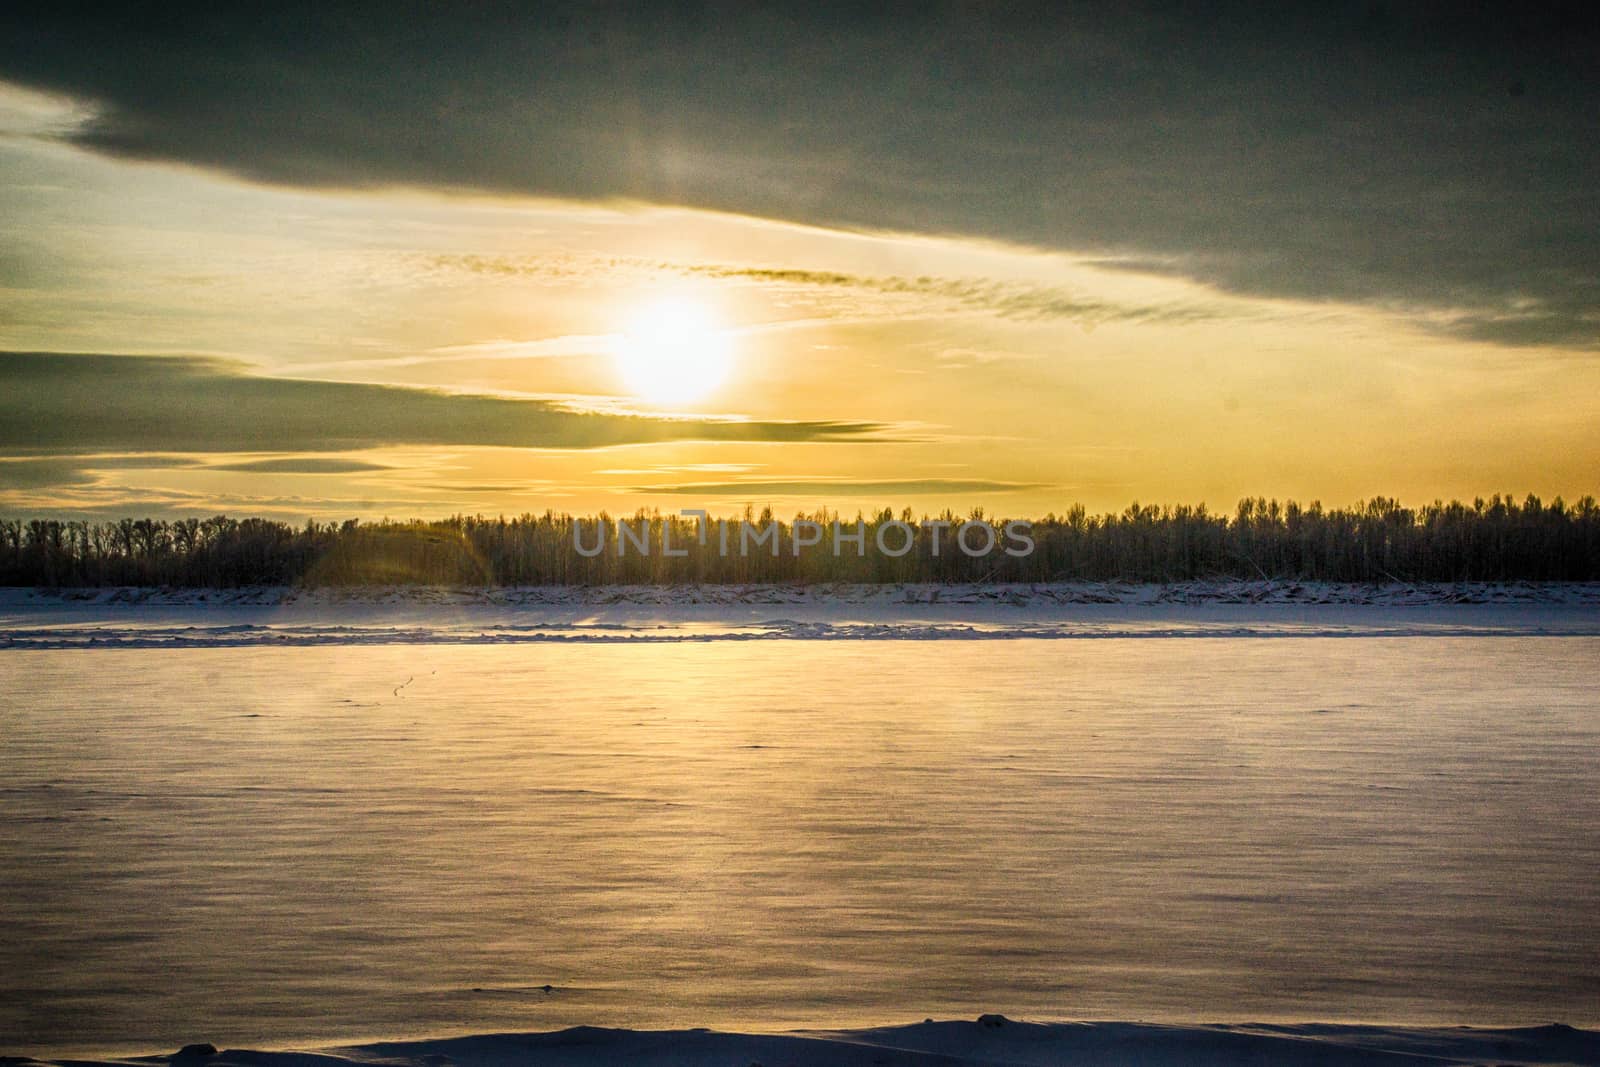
(38, 473)
(834, 487)
(300, 465)
(506, 348)
(27, 114)
(134, 461)
(43, 471)
(498, 349)
(1529, 323)
(1426, 155)
(55, 402)
(527, 486)
(109, 501)
(685, 468)
(1009, 300)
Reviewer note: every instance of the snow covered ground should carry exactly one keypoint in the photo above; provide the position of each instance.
(991, 1041)
(1016, 595)
(141, 618)
(1280, 829)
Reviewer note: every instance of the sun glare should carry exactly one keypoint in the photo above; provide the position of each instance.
(672, 352)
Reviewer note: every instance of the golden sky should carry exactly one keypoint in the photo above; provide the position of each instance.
(505, 353)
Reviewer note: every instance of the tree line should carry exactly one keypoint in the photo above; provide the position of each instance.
(1379, 540)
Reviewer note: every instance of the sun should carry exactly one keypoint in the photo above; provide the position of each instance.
(673, 351)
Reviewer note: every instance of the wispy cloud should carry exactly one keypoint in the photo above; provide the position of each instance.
(100, 499)
(1009, 300)
(926, 294)
(504, 348)
(836, 487)
(685, 468)
(544, 347)
(300, 465)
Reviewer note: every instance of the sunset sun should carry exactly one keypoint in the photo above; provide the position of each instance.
(673, 351)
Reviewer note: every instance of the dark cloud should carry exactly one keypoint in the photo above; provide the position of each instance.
(40, 473)
(133, 461)
(1423, 154)
(109, 501)
(53, 402)
(1572, 323)
(839, 487)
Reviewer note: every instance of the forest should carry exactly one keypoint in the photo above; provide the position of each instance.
(1380, 540)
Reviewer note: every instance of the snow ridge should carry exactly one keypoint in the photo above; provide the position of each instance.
(1391, 594)
(165, 618)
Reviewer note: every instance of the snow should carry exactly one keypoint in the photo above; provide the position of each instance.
(173, 782)
(145, 618)
(1015, 595)
(991, 1040)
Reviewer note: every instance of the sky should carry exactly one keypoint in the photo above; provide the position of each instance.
(407, 261)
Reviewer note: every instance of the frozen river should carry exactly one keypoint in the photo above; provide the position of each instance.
(253, 844)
